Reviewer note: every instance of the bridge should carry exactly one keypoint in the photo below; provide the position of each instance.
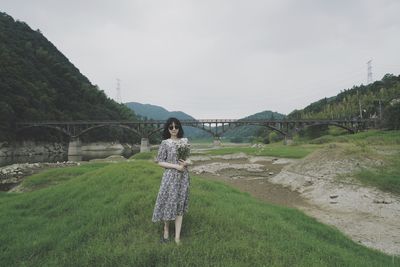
(215, 127)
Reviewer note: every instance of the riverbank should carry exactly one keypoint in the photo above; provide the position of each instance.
(100, 214)
(326, 180)
(322, 185)
(36, 152)
(12, 175)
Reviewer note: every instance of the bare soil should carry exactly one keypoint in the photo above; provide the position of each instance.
(249, 177)
(321, 185)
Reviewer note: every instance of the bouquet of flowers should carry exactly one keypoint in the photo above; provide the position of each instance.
(183, 149)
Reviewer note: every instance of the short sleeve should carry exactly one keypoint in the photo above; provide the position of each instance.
(162, 152)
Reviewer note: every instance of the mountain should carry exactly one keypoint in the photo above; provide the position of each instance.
(39, 83)
(242, 133)
(248, 133)
(267, 115)
(156, 112)
(159, 113)
(378, 99)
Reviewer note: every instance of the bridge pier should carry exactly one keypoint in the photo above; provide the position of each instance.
(217, 141)
(74, 149)
(288, 140)
(144, 145)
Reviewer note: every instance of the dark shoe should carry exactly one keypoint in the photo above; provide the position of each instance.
(164, 240)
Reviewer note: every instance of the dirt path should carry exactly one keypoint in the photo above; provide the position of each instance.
(248, 175)
(366, 215)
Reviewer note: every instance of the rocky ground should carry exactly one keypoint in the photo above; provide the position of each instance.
(366, 214)
(12, 175)
(321, 185)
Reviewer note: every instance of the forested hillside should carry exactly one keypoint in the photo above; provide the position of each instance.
(240, 134)
(148, 111)
(38, 83)
(381, 98)
(156, 112)
(252, 132)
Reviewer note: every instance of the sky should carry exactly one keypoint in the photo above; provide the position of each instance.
(221, 59)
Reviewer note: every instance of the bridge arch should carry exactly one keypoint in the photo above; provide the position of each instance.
(226, 129)
(254, 124)
(184, 125)
(350, 130)
(65, 132)
(154, 131)
(112, 125)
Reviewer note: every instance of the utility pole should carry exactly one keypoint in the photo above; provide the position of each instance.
(369, 72)
(119, 100)
(359, 105)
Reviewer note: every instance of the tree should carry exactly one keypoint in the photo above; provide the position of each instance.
(391, 117)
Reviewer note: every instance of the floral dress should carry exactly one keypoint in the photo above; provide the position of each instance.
(173, 196)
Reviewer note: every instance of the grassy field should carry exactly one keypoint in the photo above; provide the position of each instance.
(145, 155)
(372, 137)
(100, 215)
(273, 150)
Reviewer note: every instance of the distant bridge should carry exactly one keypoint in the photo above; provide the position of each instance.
(215, 127)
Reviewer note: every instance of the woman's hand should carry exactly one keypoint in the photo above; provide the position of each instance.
(183, 162)
(181, 165)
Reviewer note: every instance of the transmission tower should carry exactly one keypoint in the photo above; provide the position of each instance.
(119, 99)
(369, 72)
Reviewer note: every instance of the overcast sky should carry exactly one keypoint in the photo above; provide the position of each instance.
(221, 58)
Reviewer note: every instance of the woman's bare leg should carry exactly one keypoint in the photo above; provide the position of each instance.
(166, 229)
(178, 226)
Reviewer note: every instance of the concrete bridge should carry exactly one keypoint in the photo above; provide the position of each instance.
(215, 127)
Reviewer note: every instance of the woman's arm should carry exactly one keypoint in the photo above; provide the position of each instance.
(167, 165)
(185, 162)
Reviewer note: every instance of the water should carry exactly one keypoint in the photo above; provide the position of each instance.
(52, 158)
(33, 159)
(86, 156)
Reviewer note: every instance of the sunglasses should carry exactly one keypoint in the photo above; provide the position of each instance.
(171, 127)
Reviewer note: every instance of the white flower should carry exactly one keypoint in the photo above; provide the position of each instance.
(183, 148)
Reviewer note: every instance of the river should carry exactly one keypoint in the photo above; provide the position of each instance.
(89, 152)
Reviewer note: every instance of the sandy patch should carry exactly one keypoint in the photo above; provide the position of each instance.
(367, 215)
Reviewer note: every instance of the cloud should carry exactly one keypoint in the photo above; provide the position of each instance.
(221, 58)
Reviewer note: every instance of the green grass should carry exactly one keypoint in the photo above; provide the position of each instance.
(203, 141)
(386, 178)
(365, 144)
(375, 137)
(371, 137)
(145, 155)
(273, 150)
(100, 215)
(56, 176)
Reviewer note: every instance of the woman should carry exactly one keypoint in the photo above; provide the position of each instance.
(173, 196)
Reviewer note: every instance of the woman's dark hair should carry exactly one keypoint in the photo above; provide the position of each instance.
(166, 134)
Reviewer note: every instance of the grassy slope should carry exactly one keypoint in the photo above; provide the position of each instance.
(363, 144)
(99, 215)
(386, 177)
(367, 144)
(274, 150)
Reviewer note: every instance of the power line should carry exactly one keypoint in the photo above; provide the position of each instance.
(119, 99)
(369, 72)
